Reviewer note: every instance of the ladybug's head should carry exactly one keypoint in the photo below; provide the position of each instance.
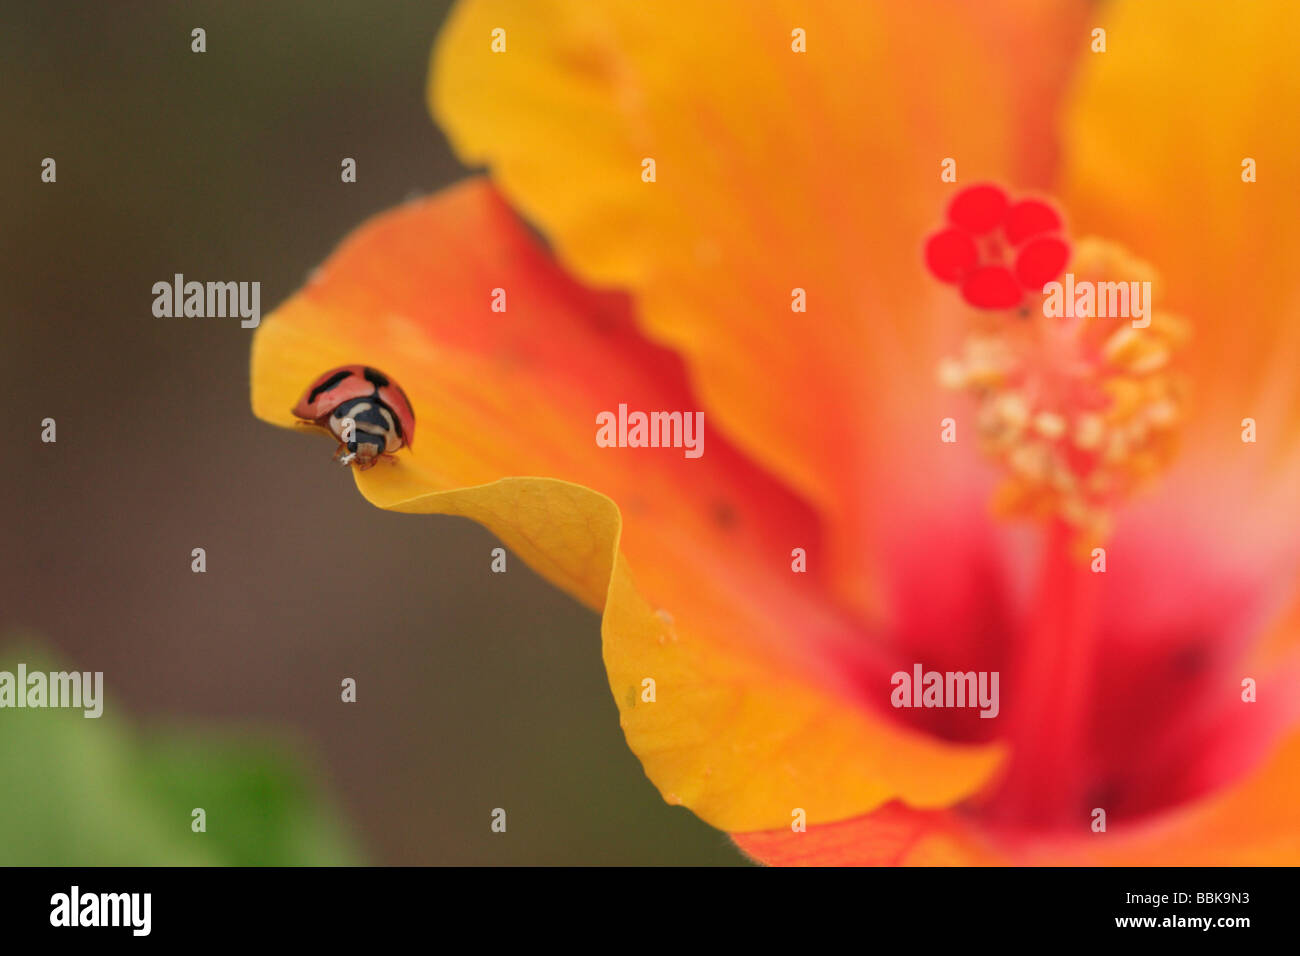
(365, 427)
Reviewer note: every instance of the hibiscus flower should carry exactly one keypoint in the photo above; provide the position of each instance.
(734, 201)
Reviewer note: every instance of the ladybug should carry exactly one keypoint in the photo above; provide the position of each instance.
(380, 413)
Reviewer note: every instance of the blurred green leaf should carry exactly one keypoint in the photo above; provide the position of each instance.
(77, 791)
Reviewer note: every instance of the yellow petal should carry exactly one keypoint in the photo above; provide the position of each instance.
(1155, 143)
(740, 741)
(746, 743)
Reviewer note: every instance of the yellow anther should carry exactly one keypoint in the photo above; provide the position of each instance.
(1080, 408)
(1089, 429)
(1050, 425)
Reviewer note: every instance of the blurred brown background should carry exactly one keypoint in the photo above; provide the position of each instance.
(476, 690)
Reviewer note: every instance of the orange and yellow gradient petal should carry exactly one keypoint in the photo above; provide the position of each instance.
(775, 170)
(748, 723)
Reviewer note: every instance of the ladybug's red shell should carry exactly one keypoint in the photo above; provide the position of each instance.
(348, 382)
(331, 389)
(393, 396)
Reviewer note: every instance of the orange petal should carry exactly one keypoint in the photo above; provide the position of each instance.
(517, 392)
(775, 171)
(895, 835)
(1253, 823)
(753, 713)
(1156, 138)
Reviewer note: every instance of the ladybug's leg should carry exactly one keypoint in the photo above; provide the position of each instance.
(343, 456)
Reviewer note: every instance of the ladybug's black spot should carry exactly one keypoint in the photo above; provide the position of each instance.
(376, 378)
(326, 385)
